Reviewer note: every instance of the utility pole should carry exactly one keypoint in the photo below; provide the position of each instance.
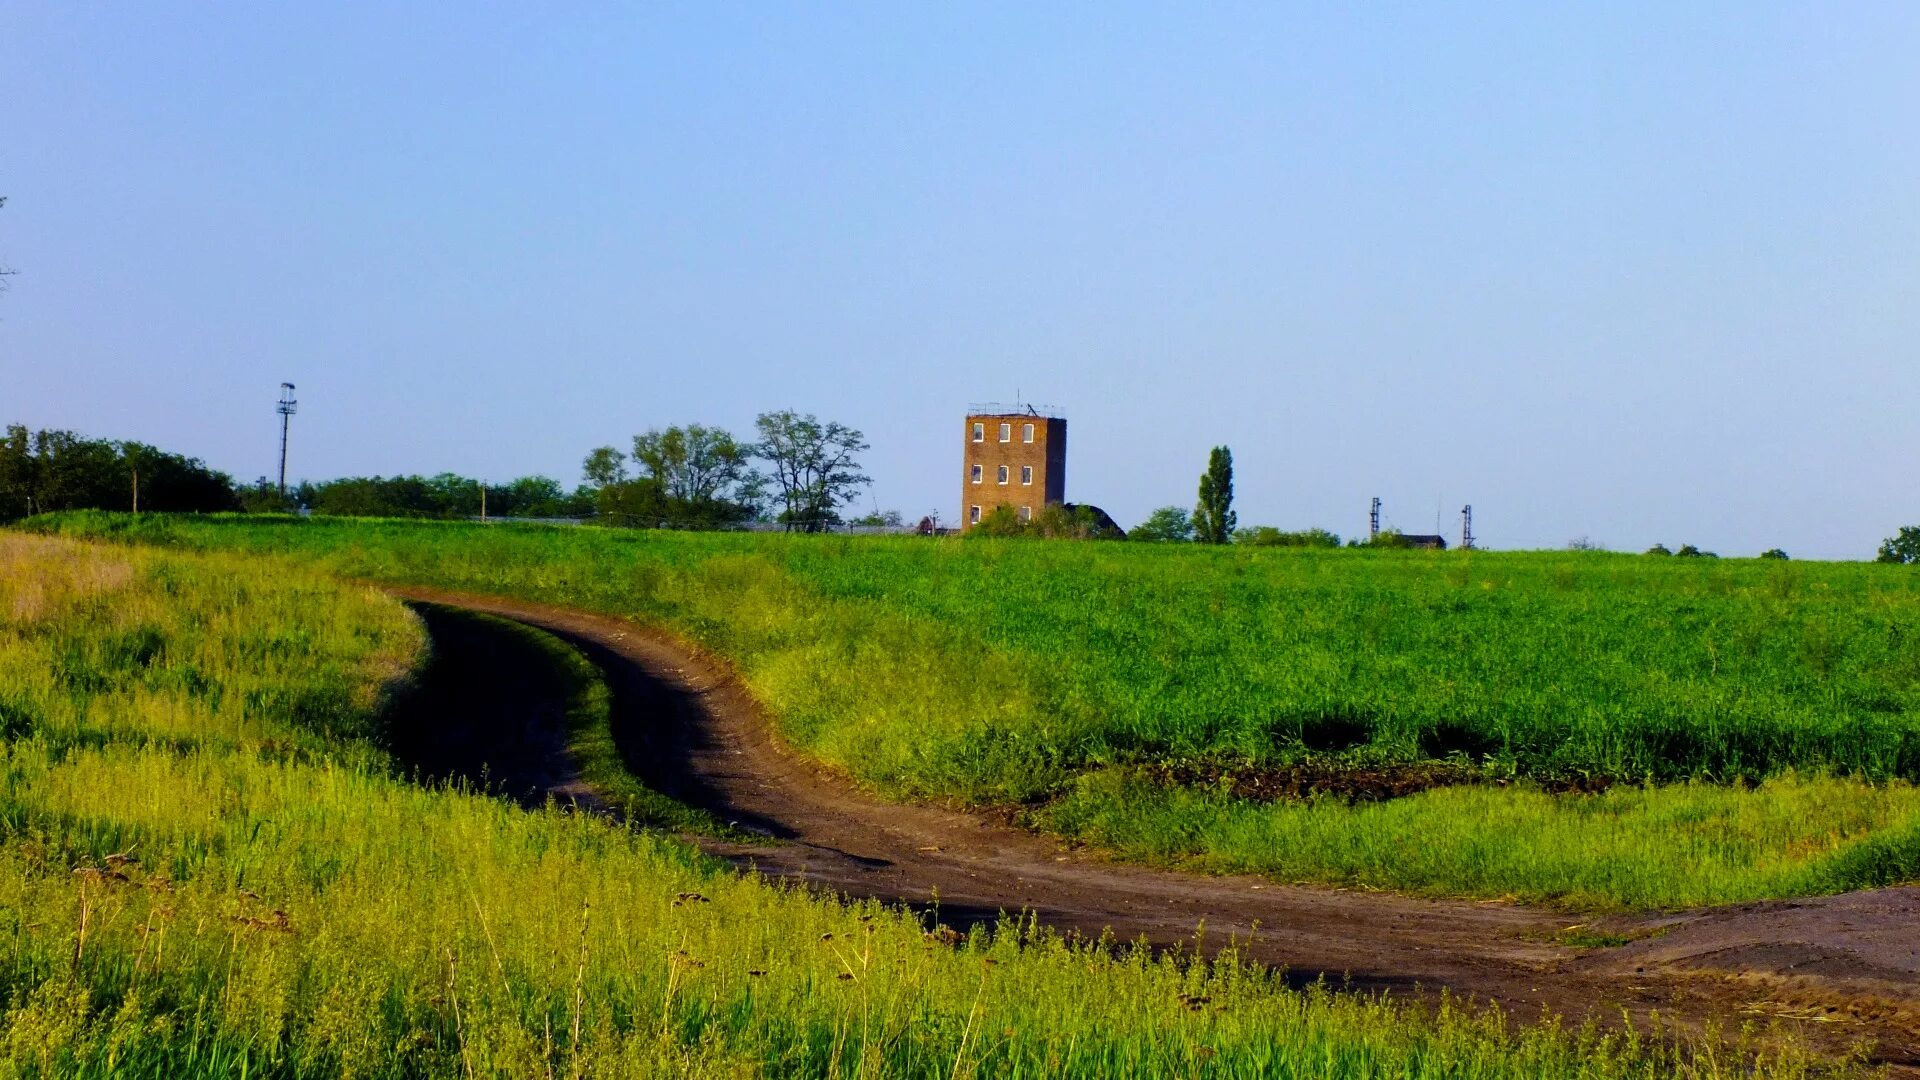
(1373, 520)
(1466, 527)
(286, 409)
(483, 499)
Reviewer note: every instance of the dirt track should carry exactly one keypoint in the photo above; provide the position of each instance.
(1841, 969)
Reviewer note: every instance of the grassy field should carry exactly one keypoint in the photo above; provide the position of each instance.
(1048, 674)
(209, 866)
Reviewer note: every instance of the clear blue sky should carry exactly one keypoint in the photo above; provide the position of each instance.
(1635, 274)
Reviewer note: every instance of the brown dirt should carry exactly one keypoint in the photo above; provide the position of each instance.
(1839, 970)
(1333, 779)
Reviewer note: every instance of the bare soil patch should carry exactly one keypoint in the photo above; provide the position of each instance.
(1334, 779)
(1840, 970)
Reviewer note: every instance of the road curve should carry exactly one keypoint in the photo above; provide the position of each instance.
(1839, 969)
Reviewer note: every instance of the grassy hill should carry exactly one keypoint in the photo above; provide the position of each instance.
(1575, 727)
(210, 865)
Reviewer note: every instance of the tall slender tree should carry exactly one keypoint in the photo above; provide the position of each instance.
(1213, 518)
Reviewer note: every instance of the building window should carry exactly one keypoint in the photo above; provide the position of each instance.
(973, 515)
(976, 473)
(1003, 474)
(1026, 432)
(1026, 474)
(1026, 513)
(979, 433)
(1006, 432)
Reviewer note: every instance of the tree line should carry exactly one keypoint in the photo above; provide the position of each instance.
(798, 472)
(47, 470)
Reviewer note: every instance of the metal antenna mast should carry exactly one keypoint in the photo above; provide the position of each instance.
(286, 408)
(1373, 520)
(1466, 527)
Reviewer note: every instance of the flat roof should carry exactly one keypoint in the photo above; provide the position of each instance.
(999, 408)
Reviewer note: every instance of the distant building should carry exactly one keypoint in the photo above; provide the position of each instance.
(1014, 456)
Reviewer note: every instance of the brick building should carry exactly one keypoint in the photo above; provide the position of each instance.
(1014, 456)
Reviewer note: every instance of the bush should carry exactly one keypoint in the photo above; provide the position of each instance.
(1055, 521)
(1268, 536)
(1164, 524)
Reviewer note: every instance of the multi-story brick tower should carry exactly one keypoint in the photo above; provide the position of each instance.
(1015, 456)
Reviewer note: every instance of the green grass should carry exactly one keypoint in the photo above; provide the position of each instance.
(1628, 847)
(209, 867)
(1019, 672)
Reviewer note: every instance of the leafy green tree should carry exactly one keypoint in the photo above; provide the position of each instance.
(1268, 536)
(1773, 553)
(1688, 551)
(1659, 549)
(891, 519)
(383, 496)
(639, 503)
(1213, 518)
(533, 497)
(816, 467)
(1169, 523)
(1385, 538)
(605, 466)
(61, 470)
(19, 473)
(697, 466)
(1903, 548)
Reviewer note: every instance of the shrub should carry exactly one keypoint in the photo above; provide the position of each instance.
(1268, 536)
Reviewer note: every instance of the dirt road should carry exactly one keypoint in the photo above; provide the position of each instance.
(1842, 969)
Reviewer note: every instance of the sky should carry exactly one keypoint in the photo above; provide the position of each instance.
(1633, 273)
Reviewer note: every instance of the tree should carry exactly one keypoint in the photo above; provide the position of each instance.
(814, 466)
(695, 464)
(1773, 553)
(60, 470)
(1386, 538)
(1688, 551)
(1904, 548)
(1659, 549)
(1213, 518)
(891, 519)
(1268, 536)
(605, 466)
(19, 473)
(1169, 523)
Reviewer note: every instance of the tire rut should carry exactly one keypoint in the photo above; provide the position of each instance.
(691, 730)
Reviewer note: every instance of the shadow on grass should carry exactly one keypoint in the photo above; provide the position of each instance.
(488, 707)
